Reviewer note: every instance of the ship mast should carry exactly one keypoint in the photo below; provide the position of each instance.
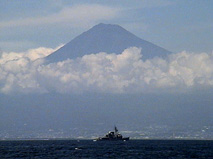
(116, 130)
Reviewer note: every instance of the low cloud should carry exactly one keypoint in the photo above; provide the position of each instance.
(105, 73)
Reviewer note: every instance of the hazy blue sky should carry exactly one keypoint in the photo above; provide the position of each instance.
(176, 25)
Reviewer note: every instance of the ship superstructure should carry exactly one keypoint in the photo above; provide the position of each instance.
(113, 135)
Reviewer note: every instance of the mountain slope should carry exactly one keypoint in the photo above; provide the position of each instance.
(105, 38)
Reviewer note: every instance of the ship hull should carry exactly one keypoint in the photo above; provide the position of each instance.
(113, 139)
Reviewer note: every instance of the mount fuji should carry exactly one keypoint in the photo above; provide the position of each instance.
(105, 38)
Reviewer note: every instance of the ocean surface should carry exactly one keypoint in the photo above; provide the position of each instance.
(146, 149)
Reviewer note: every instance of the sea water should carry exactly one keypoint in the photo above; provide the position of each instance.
(106, 149)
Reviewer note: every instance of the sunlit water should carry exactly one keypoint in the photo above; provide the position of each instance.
(107, 149)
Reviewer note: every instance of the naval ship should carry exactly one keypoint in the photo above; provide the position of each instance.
(113, 136)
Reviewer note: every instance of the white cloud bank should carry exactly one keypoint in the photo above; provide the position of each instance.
(102, 72)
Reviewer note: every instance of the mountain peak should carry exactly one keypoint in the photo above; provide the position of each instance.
(108, 38)
(103, 25)
(106, 27)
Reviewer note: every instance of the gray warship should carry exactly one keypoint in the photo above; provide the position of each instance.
(113, 136)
